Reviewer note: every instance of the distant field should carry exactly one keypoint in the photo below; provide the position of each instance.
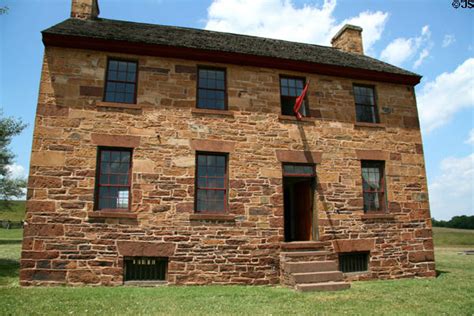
(452, 237)
(14, 212)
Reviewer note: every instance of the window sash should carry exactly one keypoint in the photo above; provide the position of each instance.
(130, 80)
(373, 117)
(215, 103)
(374, 198)
(205, 201)
(103, 190)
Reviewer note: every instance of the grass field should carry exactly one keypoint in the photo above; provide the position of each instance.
(13, 211)
(452, 292)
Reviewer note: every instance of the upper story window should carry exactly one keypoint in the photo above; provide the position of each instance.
(290, 89)
(113, 179)
(373, 185)
(211, 89)
(121, 81)
(366, 109)
(211, 183)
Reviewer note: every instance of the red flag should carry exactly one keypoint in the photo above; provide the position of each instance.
(299, 102)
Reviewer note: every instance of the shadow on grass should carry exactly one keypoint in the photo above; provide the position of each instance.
(10, 241)
(8, 269)
(441, 272)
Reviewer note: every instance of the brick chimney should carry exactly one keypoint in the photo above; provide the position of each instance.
(349, 39)
(85, 9)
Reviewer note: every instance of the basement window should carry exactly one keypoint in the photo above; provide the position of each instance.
(145, 268)
(354, 262)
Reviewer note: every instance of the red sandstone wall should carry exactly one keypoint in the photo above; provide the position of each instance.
(65, 242)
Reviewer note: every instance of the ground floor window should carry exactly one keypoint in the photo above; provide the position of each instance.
(373, 185)
(113, 178)
(211, 183)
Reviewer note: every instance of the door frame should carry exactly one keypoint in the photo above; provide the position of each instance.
(313, 176)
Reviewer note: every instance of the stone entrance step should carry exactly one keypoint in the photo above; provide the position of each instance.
(317, 277)
(310, 266)
(326, 286)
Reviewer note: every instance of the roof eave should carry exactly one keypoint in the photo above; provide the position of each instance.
(136, 48)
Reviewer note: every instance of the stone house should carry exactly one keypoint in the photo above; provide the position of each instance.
(171, 155)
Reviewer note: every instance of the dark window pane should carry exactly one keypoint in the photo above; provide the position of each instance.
(112, 75)
(128, 98)
(113, 65)
(287, 105)
(122, 66)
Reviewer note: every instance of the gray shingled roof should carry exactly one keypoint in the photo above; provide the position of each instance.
(218, 41)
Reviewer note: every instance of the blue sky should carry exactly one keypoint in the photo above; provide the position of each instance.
(429, 37)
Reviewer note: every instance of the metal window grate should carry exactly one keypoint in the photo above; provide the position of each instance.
(145, 268)
(354, 262)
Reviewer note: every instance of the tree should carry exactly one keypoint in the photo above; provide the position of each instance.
(9, 187)
(4, 10)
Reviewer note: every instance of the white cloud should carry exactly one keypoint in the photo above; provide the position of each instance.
(421, 58)
(448, 40)
(440, 99)
(470, 139)
(16, 171)
(401, 49)
(451, 193)
(281, 19)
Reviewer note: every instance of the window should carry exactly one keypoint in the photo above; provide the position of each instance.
(121, 82)
(113, 179)
(211, 186)
(298, 170)
(290, 89)
(211, 89)
(353, 262)
(366, 110)
(373, 186)
(145, 268)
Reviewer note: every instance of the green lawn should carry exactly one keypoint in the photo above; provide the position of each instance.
(13, 210)
(452, 237)
(452, 292)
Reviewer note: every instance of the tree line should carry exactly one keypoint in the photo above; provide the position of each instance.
(463, 221)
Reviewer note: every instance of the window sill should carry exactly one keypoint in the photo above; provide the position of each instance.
(132, 106)
(112, 214)
(294, 119)
(377, 216)
(212, 217)
(371, 125)
(212, 112)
